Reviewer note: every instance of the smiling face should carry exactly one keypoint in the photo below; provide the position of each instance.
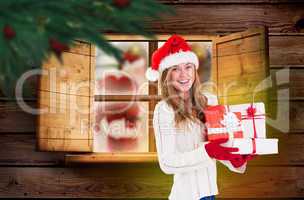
(182, 76)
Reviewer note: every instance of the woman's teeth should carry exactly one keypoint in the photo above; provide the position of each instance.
(184, 81)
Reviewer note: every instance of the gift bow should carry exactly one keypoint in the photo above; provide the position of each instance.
(251, 111)
(230, 122)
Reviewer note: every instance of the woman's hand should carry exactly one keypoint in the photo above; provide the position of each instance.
(215, 150)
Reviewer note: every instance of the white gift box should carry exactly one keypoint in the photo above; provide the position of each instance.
(251, 124)
(246, 145)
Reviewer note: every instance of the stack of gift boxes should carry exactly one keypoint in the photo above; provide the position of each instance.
(243, 124)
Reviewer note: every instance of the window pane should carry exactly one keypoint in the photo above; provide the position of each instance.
(124, 78)
(121, 127)
(204, 52)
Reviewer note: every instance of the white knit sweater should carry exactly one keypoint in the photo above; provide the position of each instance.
(182, 152)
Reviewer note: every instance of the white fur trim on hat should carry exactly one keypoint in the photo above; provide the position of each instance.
(151, 74)
(177, 58)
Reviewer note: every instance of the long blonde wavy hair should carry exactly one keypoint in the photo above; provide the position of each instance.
(193, 108)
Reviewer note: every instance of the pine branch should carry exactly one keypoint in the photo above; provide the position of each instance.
(29, 25)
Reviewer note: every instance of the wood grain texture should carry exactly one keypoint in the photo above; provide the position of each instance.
(63, 116)
(237, 65)
(296, 113)
(240, 65)
(65, 97)
(106, 181)
(224, 19)
(62, 101)
(291, 79)
(70, 77)
(261, 182)
(11, 112)
(286, 51)
(142, 181)
(65, 145)
(20, 150)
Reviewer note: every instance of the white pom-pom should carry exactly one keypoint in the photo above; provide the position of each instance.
(151, 74)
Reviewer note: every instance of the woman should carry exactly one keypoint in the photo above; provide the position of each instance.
(179, 128)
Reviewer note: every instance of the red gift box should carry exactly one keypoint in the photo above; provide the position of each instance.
(222, 123)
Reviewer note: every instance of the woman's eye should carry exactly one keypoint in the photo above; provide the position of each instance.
(189, 66)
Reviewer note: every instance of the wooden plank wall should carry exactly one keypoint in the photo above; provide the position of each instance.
(24, 172)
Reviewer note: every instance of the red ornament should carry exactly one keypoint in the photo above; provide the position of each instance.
(132, 112)
(251, 111)
(57, 46)
(121, 3)
(8, 32)
(114, 83)
(130, 57)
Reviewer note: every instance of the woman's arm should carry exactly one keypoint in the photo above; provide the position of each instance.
(213, 100)
(170, 160)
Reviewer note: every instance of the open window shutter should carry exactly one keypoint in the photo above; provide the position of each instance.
(65, 97)
(241, 66)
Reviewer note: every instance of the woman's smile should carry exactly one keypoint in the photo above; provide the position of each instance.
(184, 81)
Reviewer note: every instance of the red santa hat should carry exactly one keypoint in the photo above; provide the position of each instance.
(173, 52)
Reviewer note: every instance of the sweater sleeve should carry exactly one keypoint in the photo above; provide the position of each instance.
(170, 160)
(213, 100)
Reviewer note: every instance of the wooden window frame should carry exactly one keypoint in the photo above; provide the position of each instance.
(152, 98)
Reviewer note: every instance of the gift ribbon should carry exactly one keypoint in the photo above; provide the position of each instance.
(253, 146)
(251, 115)
(222, 130)
(253, 120)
